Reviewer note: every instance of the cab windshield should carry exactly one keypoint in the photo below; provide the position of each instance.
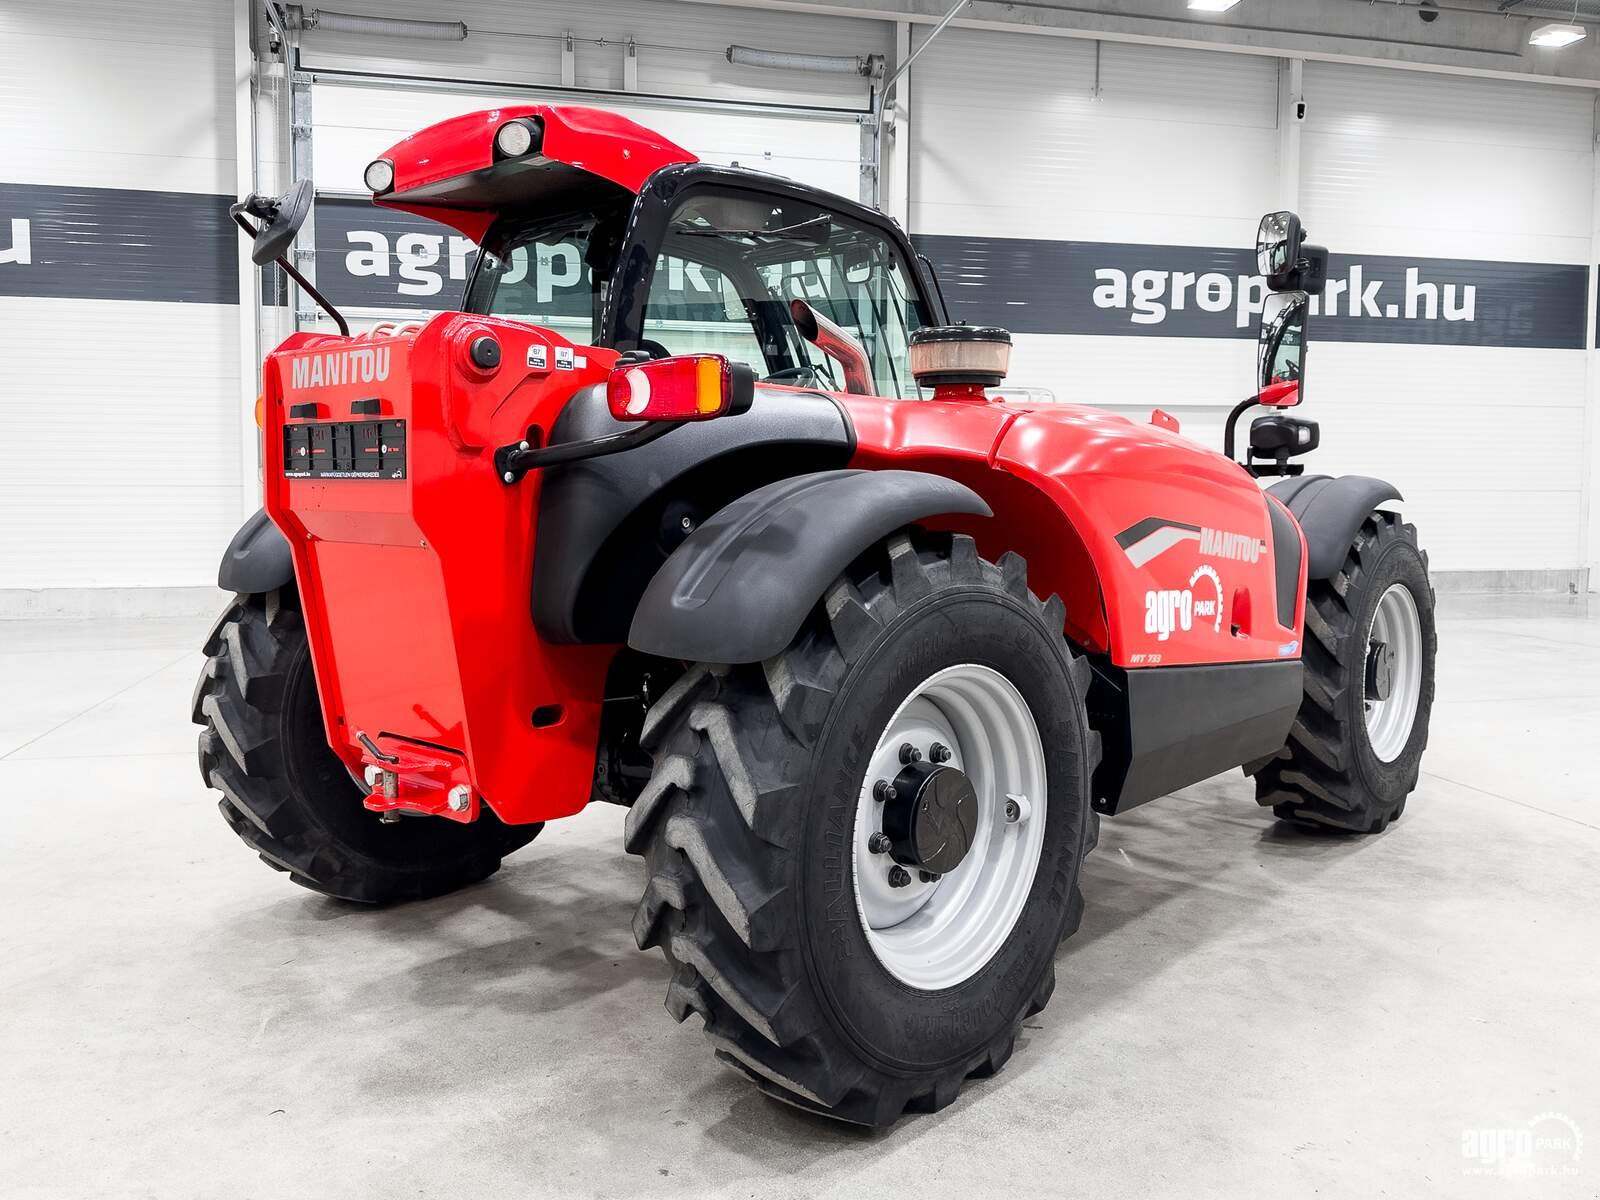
(729, 266)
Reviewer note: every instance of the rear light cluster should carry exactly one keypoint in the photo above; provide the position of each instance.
(690, 387)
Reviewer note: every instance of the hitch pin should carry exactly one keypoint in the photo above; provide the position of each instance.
(372, 749)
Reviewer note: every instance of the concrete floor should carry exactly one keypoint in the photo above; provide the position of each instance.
(1248, 1011)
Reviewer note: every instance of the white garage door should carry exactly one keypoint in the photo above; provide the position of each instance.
(664, 65)
(426, 264)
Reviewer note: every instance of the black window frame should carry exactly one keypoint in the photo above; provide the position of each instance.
(622, 322)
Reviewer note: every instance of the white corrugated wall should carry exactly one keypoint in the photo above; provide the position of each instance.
(1011, 139)
(1487, 442)
(119, 422)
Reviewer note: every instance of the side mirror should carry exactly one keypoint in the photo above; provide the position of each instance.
(1281, 350)
(1278, 243)
(279, 219)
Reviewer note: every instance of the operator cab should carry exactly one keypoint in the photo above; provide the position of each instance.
(716, 262)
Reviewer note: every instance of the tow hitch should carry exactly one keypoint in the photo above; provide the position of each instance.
(422, 780)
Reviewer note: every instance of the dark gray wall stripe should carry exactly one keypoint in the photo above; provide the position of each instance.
(122, 244)
(1036, 286)
(117, 244)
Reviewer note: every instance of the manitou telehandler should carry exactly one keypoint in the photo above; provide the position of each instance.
(702, 507)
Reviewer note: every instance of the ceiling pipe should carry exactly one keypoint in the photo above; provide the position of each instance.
(821, 64)
(880, 102)
(319, 21)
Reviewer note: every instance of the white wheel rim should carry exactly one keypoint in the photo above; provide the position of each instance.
(1395, 623)
(934, 935)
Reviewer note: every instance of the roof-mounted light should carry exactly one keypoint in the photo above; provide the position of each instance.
(379, 176)
(516, 139)
(1556, 35)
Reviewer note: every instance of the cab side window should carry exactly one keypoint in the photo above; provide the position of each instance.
(694, 308)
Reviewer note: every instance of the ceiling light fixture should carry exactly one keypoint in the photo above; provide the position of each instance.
(1556, 35)
(1212, 6)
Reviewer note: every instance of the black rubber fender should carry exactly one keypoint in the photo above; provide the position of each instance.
(257, 560)
(739, 588)
(1330, 510)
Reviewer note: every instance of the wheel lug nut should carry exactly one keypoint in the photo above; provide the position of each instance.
(928, 876)
(938, 752)
(1013, 811)
(883, 791)
(909, 753)
(899, 877)
(878, 843)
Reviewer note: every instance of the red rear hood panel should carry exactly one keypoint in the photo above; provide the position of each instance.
(589, 139)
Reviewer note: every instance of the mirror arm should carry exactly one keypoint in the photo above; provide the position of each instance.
(306, 285)
(1239, 410)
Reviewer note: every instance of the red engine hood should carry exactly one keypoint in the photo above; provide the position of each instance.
(447, 172)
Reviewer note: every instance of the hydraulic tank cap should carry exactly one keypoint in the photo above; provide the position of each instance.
(959, 361)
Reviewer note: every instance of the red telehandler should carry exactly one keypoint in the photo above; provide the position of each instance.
(703, 507)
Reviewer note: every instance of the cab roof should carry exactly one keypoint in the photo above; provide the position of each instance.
(449, 172)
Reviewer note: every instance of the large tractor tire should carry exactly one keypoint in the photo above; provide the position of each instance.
(863, 853)
(290, 798)
(1355, 750)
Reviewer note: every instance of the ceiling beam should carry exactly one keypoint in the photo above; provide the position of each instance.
(1468, 37)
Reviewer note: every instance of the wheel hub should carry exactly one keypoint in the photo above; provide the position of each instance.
(932, 818)
(1392, 677)
(1380, 670)
(950, 826)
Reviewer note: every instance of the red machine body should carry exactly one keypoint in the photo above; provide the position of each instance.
(415, 571)
(1083, 495)
(412, 584)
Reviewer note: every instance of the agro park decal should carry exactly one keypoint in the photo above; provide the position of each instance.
(1034, 285)
(1154, 536)
(1167, 611)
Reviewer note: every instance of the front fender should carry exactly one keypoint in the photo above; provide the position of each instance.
(739, 588)
(1330, 510)
(257, 560)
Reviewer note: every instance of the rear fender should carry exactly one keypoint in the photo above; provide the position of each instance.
(739, 588)
(257, 560)
(1330, 511)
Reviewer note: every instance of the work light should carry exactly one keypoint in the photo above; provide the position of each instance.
(513, 139)
(379, 176)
